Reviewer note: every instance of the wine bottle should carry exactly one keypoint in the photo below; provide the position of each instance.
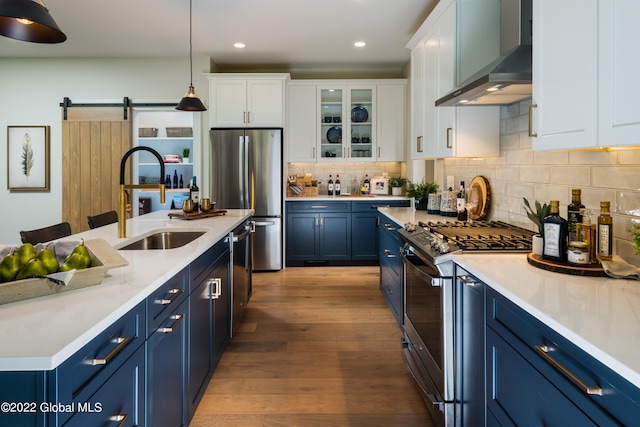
(175, 179)
(574, 214)
(461, 201)
(181, 182)
(605, 232)
(554, 234)
(330, 186)
(194, 194)
(337, 186)
(366, 184)
(167, 182)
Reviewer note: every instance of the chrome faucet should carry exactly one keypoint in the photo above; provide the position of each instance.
(122, 206)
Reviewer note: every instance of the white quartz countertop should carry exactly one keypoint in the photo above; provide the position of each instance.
(41, 333)
(600, 315)
(373, 198)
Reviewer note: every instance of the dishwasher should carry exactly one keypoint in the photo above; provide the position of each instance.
(240, 242)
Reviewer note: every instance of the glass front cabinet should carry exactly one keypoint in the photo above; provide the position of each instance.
(347, 122)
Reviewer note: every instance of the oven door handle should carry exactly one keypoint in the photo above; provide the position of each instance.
(435, 281)
(437, 402)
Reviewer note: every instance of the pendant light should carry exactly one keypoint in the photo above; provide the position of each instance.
(190, 102)
(29, 21)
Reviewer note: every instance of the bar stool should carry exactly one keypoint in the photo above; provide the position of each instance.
(102, 219)
(46, 234)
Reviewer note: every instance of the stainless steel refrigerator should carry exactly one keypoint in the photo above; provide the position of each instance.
(246, 173)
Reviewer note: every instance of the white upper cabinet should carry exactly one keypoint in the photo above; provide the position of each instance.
(346, 120)
(585, 64)
(247, 100)
(441, 132)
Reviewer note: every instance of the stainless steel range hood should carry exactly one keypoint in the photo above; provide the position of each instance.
(507, 79)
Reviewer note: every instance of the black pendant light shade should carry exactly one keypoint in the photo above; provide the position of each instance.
(190, 101)
(29, 21)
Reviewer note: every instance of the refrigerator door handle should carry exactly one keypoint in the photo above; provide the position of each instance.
(245, 157)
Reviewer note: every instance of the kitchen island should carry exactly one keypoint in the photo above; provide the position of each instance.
(557, 345)
(140, 346)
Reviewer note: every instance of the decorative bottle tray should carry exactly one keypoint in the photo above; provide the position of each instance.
(592, 269)
(197, 215)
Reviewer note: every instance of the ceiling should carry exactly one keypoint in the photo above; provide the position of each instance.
(284, 34)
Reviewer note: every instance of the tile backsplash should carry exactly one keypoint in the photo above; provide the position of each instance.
(521, 172)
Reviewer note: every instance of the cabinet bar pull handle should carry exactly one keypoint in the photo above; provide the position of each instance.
(122, 343)
(378, 151)
(313, 152)
(531, 134)
(248, 116)
(319, 207)
(321, 221)
(449, 139)
(176, 293)
(244, 117)
(317, 221)
(218, 282)
(544, 351)
(120, 417)
(389, 254)
(468, 280)
(419, 144)
(387, 289)
(176, 321)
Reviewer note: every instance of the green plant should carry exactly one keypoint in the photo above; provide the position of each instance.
(185, 152)
(420, 190)
(397, 181)
(635, 234)
(538, 215)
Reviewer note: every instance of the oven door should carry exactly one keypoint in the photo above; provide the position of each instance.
(428, 345)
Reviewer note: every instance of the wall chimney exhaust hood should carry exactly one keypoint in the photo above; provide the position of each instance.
(507, 79)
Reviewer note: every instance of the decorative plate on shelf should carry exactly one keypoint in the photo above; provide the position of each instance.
(334, 134)
(479, 198)
(359, 114)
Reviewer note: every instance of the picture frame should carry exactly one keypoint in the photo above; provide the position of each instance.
(380, 186)
(28, 158)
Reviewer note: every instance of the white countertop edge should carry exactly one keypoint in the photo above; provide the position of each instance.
(326, 198)
(122, 289)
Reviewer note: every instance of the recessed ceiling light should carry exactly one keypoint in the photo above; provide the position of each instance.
(239, 45)
(359, 44)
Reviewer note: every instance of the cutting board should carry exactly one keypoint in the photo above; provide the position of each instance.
(197, 215)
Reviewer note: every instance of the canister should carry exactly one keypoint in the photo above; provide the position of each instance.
(578, 252)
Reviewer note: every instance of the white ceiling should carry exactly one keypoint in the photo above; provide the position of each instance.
(277, 33)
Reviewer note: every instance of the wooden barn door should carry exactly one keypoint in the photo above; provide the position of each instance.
(94, 139)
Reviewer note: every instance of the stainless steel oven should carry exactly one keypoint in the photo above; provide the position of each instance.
(428, 322)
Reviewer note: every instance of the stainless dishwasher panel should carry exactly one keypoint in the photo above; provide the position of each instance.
(267, 243)
(241, 272)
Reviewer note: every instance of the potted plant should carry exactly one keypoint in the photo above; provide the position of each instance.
(397, 182)
(635, 235)
(185, 155)
(536, 217)
(420, 192)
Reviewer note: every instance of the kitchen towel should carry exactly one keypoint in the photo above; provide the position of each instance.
(620, 269)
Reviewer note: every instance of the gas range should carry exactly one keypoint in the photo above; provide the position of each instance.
(434, 239)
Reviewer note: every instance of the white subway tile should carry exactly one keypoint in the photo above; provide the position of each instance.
(519, 157)
(593, 157)
(571, 175)
(550, 157)
(628, 203)
(629, 157)
(534, 174)
(621, 177)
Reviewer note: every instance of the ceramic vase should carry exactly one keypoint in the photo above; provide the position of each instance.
(537, 244)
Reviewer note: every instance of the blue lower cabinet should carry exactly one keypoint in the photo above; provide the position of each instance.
(119, 402)
(209, 322)
(302, 237)
(335, 237)
(364, 236)
(391, 268)
(20, 388)
(167, 370)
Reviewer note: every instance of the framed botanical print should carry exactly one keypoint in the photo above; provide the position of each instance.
(28, 158)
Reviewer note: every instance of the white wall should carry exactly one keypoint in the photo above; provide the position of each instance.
(31, 91)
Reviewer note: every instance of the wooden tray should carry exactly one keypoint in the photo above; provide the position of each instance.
(103, 259)
(197, 215)
(593, 269)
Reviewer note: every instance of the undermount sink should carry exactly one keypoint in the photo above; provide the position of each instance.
(163, 240)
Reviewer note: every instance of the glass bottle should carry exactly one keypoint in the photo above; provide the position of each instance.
(574, 214)
(337, 185)
(194, 194)
(461, 201)
(167, 181)
(554, 234)
(366, 184)
(175, 179)
(181, 182)
(330, 186)
(605, 232)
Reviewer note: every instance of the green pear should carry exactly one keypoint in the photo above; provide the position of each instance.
(9, 267)
(75, 261)
(84, 257)
(26, 252)
(34, 267)
(48, 258)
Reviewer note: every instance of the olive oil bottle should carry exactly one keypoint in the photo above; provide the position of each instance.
(605, 232)
(554, 233)
(574, 213)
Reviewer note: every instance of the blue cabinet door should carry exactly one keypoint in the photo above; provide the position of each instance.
(335, 236)
(221, 308)
(17, 388)
(364, 237)
(166, 370)
(120, 400)
(302, 237)
(391, 284)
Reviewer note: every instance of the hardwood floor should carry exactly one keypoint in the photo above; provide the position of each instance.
(318, 347)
